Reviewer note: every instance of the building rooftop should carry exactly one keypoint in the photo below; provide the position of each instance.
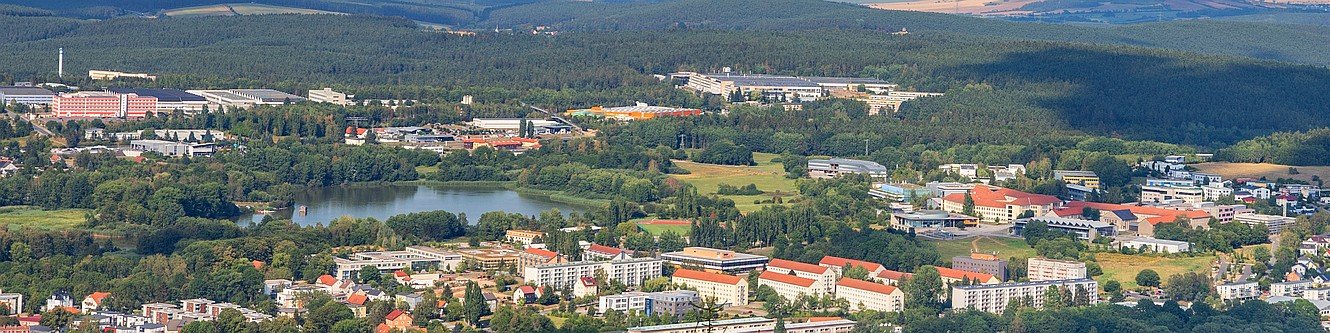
(1066, 222)
(952, 273)
(29, 91)
(268, 95)
(764, 80)
(865, 166)
(712, 254)
(1073, 173)
(1151, 240)
(845, 80)
(681, 326)
(866, 286)
(992, 196)
(163, 95)
(797, 266)
(841, 262)
(706, 276)
(1022, 284)
(786, 279)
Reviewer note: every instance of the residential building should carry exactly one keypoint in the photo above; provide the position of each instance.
(59, 299)
(1084, 178)
(415, 258)
(639, 111)
(327, 95)
(789, 286)
(1216, 191)
(527, 294)
(824, 277)
(93, 301)
(978, 262)
(1083, 229)
(536, 257)
(630, 272)
(112, 75)
(599, 252)
(1149, 244)
(1322, 293)
(585, 286)
(726, 289)
(1238, 290)
(31, 96)
(397, 320)
(813, 325)
(524, 237)
(864, 295)
(675, 303)
(952, 276)
(838, 264)
(1316, 244)
(999, 205)
(1290, 288)
(168, 100)
(101, 104)
(1044, 269)
(12, 301)
(715, 260)
(1274, 223)
(1161, 194)
(832, 168)
(736, 325)
(890, 277)
(964, 170)
(931, 219)
(489, 259)
(993, 298)
(173, 149)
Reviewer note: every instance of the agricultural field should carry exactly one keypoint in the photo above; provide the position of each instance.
(240, 9)
(768, 175)
(1005, 247)
(1257, 170)
(1123, 267)
(32, 217)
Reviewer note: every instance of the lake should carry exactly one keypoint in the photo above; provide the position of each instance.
(382, 201)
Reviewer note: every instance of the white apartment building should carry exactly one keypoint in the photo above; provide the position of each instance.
(726, 289)
(1159, 194)
(1275, 223)
(1291, 288)
(788, 286)
(1238, 290)
(1214, 191)
(993, 298)
(1154, 245)
(676, 302)
(824, 278)
(1317, 294)
(1044, 269)
(864, 295)
(630, 272)
(327, 95)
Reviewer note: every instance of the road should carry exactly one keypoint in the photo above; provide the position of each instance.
(41, 129)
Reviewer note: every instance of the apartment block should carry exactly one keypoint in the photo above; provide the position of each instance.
(993, 298)
(981, 263)
(630, 272)
(726, 289)
(788, 286)
(824, 278)
(864, 295)
(1290, 288)
(675, 303)
(1044, 269)
(1238, 290)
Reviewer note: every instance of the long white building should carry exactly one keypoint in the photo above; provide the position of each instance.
(864, 295)
(1044, 269)
(993, 298)
(824, 278)
(630, 272)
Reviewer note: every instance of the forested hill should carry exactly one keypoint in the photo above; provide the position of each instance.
(1284, 42)
(997, 90)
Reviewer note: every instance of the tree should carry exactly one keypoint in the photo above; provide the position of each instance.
(1053, 298)
(323, 318)
(1188, 286)
(57, 318)
(967, 207)
(923, 289)
(369, 274)
(355, 325)
(780, 325)
(473, 306)
(1147, 278)
(1090, 213)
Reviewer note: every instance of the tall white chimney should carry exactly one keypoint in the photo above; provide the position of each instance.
(61, 68)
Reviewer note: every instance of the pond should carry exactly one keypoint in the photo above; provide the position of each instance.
(322, 205)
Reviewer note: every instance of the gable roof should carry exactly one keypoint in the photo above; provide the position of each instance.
(894, 275)
(866, 286)
(991, 196)
(542, 252)
(706, 276)
(597, 248)
(99, 296)
(393, 315)
(327, 280)
(797, 266)
(527, 290)
(841, 262)
(357, 299)
(1140, 210)
(786, 279)
(952, 273)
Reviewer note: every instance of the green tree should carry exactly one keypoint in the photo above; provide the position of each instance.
(1148, 278)
(923, 289)
(355, 325)
(473, 306)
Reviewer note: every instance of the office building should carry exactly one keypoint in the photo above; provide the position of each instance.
(987, 263)
(173, 149)
(832, 168)
(864, 295)
(524, 237)
(903, 192)
(999, 205)
(101, 104)
(1153, 245)
(639, 111)
(1290, 288)
(726, 289)
(32, 96)
(931, 219)
(715, 260)
(1164, 194)
(112, 75)
(1274, 223)
(168, 100)
(1083, 229)
(1044, 269)
(414, 258)
(1084, 178)
(1238, 291)
(489, 259)
(993, 298)
(630, 272)
(675, 303)
(824, 277)
(327, 95)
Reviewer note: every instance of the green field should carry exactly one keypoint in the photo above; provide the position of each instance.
(657, 229)
(769, 176)
(1005, 247)
(22, 216)
(1123, 268)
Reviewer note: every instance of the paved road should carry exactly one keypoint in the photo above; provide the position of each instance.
(40, 128)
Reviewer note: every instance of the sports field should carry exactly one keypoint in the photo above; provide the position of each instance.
(32, 217)
(1005, 247)
(768, 175)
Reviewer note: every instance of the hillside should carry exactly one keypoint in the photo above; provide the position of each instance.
(1006, 87)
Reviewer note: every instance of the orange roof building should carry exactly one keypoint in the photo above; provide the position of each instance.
(864, 295)
(726, 289)
(1148, 218)
(789, 286)
(891, 277)
(951, 275)
(824, 277)
(1000, 205)
(838, 263)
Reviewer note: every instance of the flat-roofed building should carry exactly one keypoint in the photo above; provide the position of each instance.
(1084, 178)
(524, 237)
(864, 295)
(489, 259)
(1238, 290)
(327, 95)
(1274, 223)
(102, 104)
(903, 192)
(112, 75)
(173, 149)
(245, 98)
(715, 260)
(978, 262)
(675, 303)
(738, 325)
(1290, 288)
(1044, 269)
(268, 96)
(1083, 229)
(852, 83)
(630, 272)
(639, 111)
(1150, 244)
(509, 124)
(832, 168)
(726, 289)
(768, 86)
(825, 277)
(813, 325)
(26, 96)
(12, 301)
(168, 99)
(415, 258)
(993, 298)
(790, 286)
(1162, 194)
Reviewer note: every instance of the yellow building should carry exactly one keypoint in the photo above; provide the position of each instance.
(640, 111)
(1083, 178)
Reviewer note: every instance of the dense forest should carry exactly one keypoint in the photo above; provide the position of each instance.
(1203, 100)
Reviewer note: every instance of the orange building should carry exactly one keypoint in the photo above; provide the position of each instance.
(641, 111)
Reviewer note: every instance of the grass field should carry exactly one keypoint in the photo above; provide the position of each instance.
(657, 229)
(769, 176)
(1123, 268)
(241, 9)
(1258, 170)
(1005, 247)
(22, 216)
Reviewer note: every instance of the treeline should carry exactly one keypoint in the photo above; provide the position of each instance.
(1292, 148)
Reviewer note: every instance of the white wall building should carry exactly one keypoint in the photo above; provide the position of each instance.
(993, 298)
(864, 295)
(630, 272)
(1238, 290)
(1044, 269)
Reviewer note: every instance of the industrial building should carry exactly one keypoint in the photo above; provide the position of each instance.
(168, 99)
(768, 86)
(327, 95)
(26, 96)
(112, 75)
(835, 167)
(245, 98)
(103, 104)
(640, 111)
(715, 260)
